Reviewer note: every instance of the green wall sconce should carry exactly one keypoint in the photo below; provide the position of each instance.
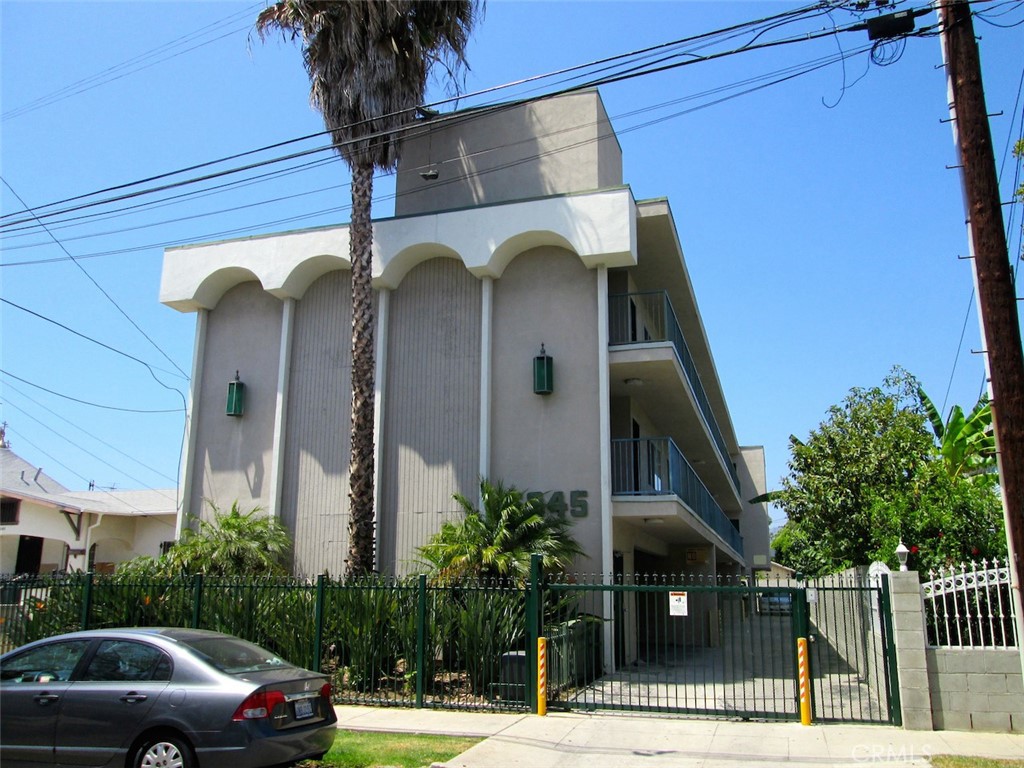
(543, 373)
(236, 397)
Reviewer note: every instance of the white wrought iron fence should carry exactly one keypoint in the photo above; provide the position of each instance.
(970, 606)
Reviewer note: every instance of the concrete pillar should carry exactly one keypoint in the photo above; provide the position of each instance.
(911, 660)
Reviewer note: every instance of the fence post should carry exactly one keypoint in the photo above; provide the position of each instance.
(318, 625)
(892, 680)
(421, 637)
(197, 599)
(802, 629)
(533, 608)
(86, 600)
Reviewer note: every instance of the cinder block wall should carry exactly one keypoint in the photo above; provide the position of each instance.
(911, 661)
(976, 689)
(958, 689)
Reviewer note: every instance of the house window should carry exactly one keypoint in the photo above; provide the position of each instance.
(9, 509)
(165, 547)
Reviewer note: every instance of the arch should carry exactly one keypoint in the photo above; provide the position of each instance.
(213, 287)
(522, 242)
(306, 272)
(405, 260)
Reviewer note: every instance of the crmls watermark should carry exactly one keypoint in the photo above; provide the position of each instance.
(889, 753)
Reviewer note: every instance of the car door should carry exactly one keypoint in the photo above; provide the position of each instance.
(33, 686)
(105, 706)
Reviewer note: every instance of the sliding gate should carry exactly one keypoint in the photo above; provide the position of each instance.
(715, 648)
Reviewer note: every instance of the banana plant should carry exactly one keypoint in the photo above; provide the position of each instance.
(966, 444)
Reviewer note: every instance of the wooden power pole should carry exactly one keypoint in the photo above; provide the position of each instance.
(997, 300)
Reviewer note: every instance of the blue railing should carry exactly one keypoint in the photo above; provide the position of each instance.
(641, 318)
(655, 466)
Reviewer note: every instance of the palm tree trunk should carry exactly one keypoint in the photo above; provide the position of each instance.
(360, 472)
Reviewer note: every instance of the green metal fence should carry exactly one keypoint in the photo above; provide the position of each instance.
(672, 644)
(711, 646)
(384, 641)
(678, 645)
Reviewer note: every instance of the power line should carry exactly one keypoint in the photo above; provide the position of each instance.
(787, 74)
(87, 453)
(127, 67)
(99, 287)
(143, 363)
(90, 434)
(628, 74)
(87, 402)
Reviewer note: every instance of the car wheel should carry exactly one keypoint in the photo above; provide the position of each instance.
(163, 751)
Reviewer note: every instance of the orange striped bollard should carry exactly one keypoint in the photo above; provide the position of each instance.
(542, 675)
(804, 681)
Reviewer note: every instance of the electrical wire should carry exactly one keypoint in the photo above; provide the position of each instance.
(43, 213)
(87, 453)
(798, 69)
(125, 68)
(143, 363)
(90, 434)
(87, 402)
(788, 74)
(100, 288)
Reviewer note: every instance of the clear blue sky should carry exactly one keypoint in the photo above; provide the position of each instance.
(820, 223)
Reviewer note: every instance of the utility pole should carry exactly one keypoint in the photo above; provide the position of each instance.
(997, 300)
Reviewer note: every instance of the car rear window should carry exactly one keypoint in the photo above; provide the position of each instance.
(234, 656)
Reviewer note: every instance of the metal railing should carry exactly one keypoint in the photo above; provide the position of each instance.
(700, 643)
(642, 318)
(656, 466)
(970, 606)
(383, 640)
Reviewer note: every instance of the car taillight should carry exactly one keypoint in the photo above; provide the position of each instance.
(259, 705)
(325, 691)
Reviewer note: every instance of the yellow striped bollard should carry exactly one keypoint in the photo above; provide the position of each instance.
(542, 675)
(803, 678)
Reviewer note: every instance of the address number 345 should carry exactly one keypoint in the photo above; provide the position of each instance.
(555, 503)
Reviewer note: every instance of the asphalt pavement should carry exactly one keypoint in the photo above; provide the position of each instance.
(583, 740)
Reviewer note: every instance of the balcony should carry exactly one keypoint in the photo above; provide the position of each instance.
(648, 318)
(656, 467)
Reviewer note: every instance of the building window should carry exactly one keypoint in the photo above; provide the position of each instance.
(9, 509)
(165, 547)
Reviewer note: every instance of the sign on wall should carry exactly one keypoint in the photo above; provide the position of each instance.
(556, 503)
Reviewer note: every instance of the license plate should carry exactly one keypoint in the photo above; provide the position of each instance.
(303, 709)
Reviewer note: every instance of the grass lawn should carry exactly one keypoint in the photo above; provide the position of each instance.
(364, 749)
(955, 761)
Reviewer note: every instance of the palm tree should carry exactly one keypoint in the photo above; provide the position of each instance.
(368, 63)
(498, 538)
(232, 543)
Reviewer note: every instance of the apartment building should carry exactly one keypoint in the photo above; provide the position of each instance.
(536, 324)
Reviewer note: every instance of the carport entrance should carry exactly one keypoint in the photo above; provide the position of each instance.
(715, 648)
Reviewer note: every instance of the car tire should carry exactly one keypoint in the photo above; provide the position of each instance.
(163, 750)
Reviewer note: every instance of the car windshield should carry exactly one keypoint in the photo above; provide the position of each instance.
(234, 656)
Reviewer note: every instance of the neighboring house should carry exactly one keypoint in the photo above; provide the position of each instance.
(513, 234)
(778, 572)
(45, 527)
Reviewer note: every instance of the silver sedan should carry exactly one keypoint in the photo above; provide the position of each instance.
(175, 698)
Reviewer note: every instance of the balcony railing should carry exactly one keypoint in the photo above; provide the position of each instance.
(641, 318)
(656, 466)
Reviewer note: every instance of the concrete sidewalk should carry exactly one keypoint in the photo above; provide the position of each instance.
(573, 740)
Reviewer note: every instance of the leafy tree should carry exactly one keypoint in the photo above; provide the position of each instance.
(368, 62)
(233, 543)
(498, 538)
(870, 476)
